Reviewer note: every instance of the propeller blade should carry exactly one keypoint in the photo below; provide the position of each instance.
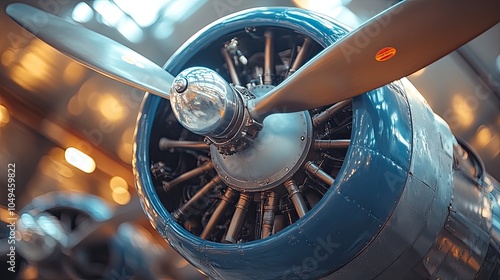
(393, 44)
(94, 50)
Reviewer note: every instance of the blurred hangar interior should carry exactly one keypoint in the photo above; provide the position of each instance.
(52, 109)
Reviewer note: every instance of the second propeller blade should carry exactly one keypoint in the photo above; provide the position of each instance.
(393, 44)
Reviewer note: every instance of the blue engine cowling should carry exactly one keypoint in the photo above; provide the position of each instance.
(409, 201)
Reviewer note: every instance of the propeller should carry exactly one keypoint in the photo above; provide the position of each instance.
(391, 45)
(95, 51)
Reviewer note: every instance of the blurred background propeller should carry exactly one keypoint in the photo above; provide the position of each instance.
(68, 235)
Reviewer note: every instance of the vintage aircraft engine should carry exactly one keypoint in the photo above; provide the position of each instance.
(372, 187)
(306, 167)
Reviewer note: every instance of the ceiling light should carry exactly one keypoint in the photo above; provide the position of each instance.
(79, 160)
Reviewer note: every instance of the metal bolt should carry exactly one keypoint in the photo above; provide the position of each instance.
(180, 84)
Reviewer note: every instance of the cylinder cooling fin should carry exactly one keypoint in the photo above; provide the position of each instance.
(360, 189)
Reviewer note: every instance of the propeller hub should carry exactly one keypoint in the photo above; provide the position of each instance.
(272, 157)
(204, 103)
